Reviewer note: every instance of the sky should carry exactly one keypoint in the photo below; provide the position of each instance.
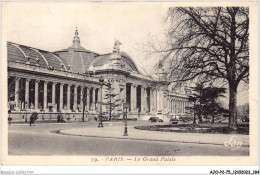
(51, 26)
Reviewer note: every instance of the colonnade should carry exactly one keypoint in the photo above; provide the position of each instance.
(41, 94)
(178, 106)
(141, 98)
(91, 94)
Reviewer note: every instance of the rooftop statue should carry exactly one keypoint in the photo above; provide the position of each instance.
(116, 46)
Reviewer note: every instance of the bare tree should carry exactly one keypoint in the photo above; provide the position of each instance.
(208, 43)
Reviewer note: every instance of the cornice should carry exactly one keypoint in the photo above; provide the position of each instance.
(41, 71)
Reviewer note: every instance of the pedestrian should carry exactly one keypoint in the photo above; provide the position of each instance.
(33, 118)
(9, 118)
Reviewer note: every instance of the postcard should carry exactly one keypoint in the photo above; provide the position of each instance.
(129, 83)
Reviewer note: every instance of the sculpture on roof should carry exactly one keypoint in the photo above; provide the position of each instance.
(161, 74)
(115, 59)
(76, 32)
(76, 40)
(116, 46)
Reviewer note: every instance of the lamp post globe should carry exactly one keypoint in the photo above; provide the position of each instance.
(101, 80)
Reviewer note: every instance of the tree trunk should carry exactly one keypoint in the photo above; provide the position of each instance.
(194, 119)
(232, 75)
(200, 116)
(213, 119)
(110, 109)
(232, 107)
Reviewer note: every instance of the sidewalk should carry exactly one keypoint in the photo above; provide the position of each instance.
(135, 134)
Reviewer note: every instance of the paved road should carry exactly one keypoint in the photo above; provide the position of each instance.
(42, 139)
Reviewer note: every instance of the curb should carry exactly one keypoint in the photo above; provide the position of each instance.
(28, 124)
(62, 133)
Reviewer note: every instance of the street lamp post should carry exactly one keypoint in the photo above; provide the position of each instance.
(100, 124)
(125, 105)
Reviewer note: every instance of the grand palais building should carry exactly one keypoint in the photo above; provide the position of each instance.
(68, 81)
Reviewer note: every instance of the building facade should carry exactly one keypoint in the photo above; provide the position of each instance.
(68, 81)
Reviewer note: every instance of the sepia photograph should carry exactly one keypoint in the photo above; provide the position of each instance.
(129, 83)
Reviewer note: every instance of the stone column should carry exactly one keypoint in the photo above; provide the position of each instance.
(75, 106)
(16, 91)
(36, 95)
(94, 99)
(133, 97)
(160, 96)
(187, 105)
(158, 101)
(169, 104)
(27, 81)
(170, 107)
(53, 94)
(87, 98)
(175, 106)
(180, 107)
(122, 94)
(173, 103)
(61, 96)
(143, 100)
(81, 96)
(99, 106)
(68, 97)
(155, 100)
(184, 107)
(117, 88)
(45, 107)
(151, 100)
(184, 104)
